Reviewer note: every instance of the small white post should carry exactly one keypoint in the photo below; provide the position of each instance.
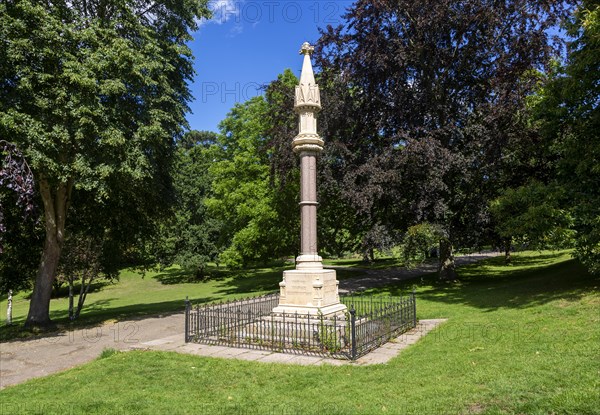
(9, 308)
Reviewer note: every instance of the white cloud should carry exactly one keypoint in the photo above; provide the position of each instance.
(223, 11)
(236, 30)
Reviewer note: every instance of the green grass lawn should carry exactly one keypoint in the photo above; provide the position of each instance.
(520, 339)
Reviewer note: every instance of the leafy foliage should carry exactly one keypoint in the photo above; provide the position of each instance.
(190, 236)
(94, 94)
(20, 242)
(22, 245)
(253, 204)
(419, 242)
(422, 99)
(568, 116)
(532, 215)
(15, 176)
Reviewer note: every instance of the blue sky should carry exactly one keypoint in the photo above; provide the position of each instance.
(247, 44)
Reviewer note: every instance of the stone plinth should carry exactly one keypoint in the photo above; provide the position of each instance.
(309, 291)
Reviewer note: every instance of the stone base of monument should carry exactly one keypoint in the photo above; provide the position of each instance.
(310, 292)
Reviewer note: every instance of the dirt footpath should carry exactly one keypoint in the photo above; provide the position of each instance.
(25, 359)
(21, 360)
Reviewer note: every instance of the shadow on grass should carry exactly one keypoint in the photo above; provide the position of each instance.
(175, 276)
(495, 266)
(63, 291)
(245, 282)
(486, 287)
(264, 280)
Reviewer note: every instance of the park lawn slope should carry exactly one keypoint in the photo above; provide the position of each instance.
(155, 292)
(519, 339)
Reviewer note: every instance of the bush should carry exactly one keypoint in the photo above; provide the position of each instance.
(419, 242)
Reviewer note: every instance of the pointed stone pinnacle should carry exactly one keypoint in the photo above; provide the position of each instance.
(307, 104)
(307, 77)
(307, 93)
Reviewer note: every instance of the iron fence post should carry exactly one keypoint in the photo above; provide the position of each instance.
(353, 328)
(414, 307)
(197, 325)
(187, 319)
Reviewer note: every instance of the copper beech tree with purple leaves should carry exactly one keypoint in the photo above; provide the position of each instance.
(16, 177)
(18, 223)
(422, 99)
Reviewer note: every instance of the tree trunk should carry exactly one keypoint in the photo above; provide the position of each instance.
(9, 308)
(447, 267)
(39, 306)
(55, 209)
(71, 315)
(507, 244)
(368, 255)
(82, 294)
(91, 275)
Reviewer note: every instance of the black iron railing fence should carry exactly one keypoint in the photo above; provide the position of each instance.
(250, 323)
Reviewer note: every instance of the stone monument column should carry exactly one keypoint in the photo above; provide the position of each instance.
(308, 145)
(309, 289)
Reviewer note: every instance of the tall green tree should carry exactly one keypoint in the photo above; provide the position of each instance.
(420, 101)
(190, 235)
(533, 215)
(94, 94)
(241, 193)
(568, 116)
(257, 208)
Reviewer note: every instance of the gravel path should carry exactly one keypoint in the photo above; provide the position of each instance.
(26, 359)
(380, 277)
(21, 360)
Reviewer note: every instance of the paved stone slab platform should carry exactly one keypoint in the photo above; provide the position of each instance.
(380, 355)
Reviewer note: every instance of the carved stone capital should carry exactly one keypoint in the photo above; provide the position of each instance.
(307, 142)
